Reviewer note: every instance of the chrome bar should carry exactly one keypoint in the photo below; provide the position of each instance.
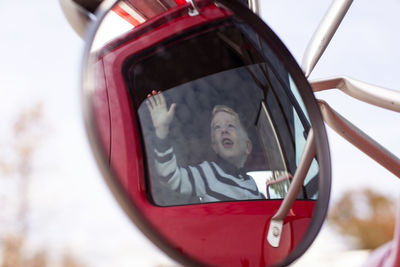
(374, 95)
(276, 224)
(254, 5)
(360, 139)
(324, 33)
(193, 9)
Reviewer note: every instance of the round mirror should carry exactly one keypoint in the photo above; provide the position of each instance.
(206, 131)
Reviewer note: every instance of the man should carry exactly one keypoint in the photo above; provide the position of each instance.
(222, 180)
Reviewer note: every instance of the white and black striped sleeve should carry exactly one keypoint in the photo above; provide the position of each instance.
(179, 179)
(207, 181)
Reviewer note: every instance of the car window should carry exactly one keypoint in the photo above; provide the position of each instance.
(246, 150)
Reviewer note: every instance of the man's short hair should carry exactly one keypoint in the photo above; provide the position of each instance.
(223, 108)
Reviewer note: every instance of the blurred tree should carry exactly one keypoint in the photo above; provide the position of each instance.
(16, 164)
(70, 260)
(28, 132)
(366, 216)
(12, 252)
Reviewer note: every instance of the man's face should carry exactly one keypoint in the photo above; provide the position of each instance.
(229, 139)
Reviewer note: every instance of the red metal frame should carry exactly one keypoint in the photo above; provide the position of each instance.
(226, 233)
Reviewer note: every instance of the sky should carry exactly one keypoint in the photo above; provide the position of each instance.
(71, 207)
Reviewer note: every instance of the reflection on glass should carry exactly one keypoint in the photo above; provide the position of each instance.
(200, 146)
(221, 179)
(310, 188)
(221, 121)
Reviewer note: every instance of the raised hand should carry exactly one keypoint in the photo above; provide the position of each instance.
(161, 116)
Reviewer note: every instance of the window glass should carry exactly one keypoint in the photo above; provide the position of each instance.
(219, 119)
(311, 181)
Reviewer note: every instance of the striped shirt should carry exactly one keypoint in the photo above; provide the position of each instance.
(206, 182)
